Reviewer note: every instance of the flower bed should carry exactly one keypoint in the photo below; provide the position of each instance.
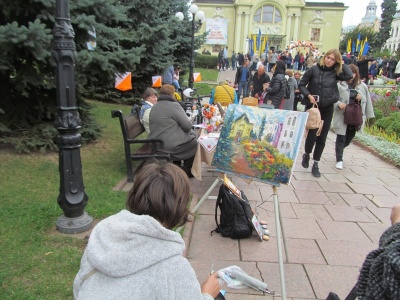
(382, 134)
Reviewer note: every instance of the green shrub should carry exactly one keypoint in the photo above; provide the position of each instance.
(206, 61)
(390, 124)
(378, 114)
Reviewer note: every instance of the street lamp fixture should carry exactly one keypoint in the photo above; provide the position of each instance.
(72, 197)
(200, 17)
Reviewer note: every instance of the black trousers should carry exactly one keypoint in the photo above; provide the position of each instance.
(186, 166)
(342, 141)
(319, 141)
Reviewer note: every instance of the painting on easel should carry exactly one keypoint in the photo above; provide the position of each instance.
(260, 144)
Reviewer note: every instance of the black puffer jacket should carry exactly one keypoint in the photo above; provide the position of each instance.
(276, 90)
(322, 81)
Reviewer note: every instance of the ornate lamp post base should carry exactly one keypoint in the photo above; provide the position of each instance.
(74, 225)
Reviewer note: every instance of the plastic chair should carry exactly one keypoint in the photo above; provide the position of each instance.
(250, 101)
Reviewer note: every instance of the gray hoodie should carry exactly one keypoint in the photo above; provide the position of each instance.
(134, 257)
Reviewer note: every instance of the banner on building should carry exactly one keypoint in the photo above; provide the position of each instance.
(217, 29)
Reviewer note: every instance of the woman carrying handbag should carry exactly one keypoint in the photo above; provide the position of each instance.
(319, 84)
(353, 90)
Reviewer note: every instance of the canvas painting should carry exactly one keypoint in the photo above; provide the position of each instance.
(259, 143)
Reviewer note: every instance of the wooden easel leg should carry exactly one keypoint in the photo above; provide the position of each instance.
(205, 196)
(279, 233)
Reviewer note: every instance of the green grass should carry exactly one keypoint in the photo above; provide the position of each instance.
(37, 262)
(209, 75)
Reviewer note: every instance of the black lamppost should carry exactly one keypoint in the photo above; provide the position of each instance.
(72, 197)
(197, 15)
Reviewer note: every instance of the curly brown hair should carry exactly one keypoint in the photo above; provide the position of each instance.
(167, 89)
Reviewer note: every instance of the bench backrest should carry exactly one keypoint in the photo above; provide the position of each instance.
(133, 126)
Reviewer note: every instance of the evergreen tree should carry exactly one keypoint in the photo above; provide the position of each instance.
(388, 11)
(143, 37)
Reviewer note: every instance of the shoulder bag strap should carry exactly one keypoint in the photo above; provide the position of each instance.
(230, 96)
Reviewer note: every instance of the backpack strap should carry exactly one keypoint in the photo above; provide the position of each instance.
(217, 203)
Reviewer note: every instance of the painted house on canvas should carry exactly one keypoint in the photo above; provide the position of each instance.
(260, 143)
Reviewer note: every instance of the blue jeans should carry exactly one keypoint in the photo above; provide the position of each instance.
(175, 83)
(243, 88)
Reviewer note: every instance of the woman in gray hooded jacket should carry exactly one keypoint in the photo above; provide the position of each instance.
(345, 133)
(135, 254)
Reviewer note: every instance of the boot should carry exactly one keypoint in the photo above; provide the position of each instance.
(306, 160)
(315, 170)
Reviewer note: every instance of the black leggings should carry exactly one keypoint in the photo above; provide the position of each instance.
(342, 141)
(319, 141)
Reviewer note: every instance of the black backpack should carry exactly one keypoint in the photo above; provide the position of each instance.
(287, 90)
(236, 214)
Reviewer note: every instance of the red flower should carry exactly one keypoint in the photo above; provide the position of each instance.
(393, 88)
(387, 94)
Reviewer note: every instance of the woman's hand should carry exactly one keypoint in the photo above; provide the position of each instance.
(312, 99)
(358, 97)
(342, 105)
(211, 285)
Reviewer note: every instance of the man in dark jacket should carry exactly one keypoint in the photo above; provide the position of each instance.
(240, 59)
(391, 67)
(242, 79)
(258, 81)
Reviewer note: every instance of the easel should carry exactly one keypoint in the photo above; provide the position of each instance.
(278, 224)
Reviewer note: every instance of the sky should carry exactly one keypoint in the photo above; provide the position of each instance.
(356, 10)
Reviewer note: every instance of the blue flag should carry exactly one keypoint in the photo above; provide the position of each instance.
(366, 48)
(258, 45)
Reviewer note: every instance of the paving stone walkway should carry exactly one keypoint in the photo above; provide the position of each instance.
(330, 223)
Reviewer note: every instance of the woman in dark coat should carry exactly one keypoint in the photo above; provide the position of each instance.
(321, 80)
(362, 65)
(277, 86)
(169, 122)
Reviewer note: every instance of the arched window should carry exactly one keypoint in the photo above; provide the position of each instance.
(267, 14)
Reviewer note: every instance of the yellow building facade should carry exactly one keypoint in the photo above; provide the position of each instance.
(270, 24)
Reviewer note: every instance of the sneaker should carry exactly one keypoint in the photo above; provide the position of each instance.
(315, 171)
(339, 165)
(306, 160)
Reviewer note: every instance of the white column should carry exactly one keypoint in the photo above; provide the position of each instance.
(296, 27)
(288, 31)
(238, 33)
(246, 28)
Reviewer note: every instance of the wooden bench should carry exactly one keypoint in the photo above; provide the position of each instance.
(131, 130)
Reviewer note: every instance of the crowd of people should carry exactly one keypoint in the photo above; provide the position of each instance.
(112, 265)
(325, 81)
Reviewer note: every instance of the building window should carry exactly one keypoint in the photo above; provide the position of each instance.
(315, 34)
(267, 14)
